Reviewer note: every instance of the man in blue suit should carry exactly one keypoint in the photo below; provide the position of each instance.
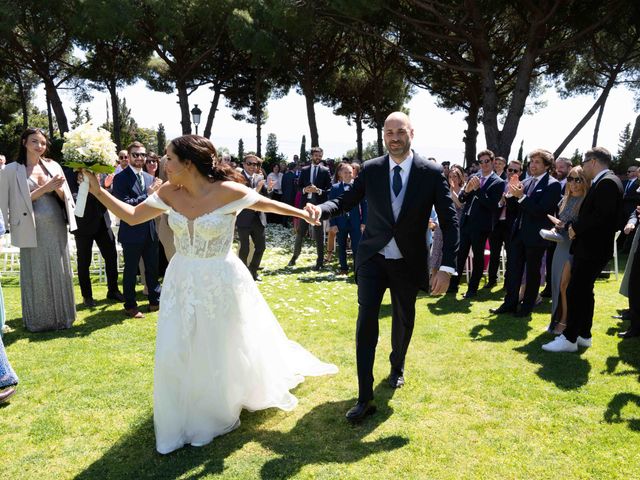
(132, 185)
(352, 222)
(535, 198)
(481, 196)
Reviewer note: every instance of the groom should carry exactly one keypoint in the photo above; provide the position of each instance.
(400, 189)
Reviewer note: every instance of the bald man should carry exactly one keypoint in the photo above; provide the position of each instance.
(400, 189)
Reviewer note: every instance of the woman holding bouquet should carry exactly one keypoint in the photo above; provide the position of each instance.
(36, 204)
(219, 348)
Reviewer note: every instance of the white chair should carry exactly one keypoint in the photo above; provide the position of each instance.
(10, 255)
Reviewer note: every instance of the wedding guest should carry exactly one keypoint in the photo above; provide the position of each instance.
(251, 224)
(575, 192)
(3, 318)
(123, 161)
(288, 187)
(8, 378)
(165, 234)
(592, 236)
(151, 164)
(3, 161)
(630, 200)
(480, 197)
(95, 225)
(332, 231)
(133, 186)
(500, 166)
(535, 198)
(630, 286)
(400, 188)
(36, 204)
(351, 224)
(314, 183)
(274, 187)
(356, 169)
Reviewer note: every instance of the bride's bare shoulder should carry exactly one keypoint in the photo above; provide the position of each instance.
(167, 192)
(232, 191)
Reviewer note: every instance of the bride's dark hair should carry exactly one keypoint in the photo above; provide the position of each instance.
(203, 155)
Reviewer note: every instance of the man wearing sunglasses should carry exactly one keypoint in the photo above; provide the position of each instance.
(123, 161)
(480, 197)
(133, 185)
(592, 236)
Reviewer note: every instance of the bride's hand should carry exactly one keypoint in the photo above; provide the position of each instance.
(312, 214)
(94, 184)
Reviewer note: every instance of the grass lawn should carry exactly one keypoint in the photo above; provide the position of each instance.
(482, 400)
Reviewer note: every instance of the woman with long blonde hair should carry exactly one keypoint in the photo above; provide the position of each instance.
(575, 191)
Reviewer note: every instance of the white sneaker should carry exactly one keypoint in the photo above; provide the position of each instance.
(584, 342)
(560, 344)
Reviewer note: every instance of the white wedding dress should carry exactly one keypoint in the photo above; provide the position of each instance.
(219, 348)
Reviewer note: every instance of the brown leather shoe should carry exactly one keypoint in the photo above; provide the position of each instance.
(7, 393)
(154, 308)
(134, 313)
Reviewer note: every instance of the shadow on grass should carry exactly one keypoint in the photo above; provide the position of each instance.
(501, 328)
(321, 436)
(567, 371)
(449, 304)
(613, 414)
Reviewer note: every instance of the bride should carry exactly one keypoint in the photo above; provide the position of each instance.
(219, 348)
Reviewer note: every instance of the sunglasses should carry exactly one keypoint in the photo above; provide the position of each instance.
(484, 160)
(513, 170)
(139, 155)
(122, 157)
(631, 171)
(151, 161)
(251, 164)
(574, 179)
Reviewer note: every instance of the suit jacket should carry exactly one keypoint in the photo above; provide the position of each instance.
(17, 207)
(322, 181)
(289, 187)
(95, 214)
(631, 197)
(426, 188)
(127, 188)
(247, 216)
(481, 211)
(597, 221)
(533, 210)
(353, 218)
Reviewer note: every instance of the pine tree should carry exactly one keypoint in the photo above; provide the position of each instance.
(240, 150)
(161, 137)
(303, 150)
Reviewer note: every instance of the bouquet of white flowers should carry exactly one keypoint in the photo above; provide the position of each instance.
(88, 148)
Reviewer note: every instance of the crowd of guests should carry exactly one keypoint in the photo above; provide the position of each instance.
(555, 221)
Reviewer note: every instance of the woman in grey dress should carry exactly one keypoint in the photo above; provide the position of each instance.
(575, 191)
(46, 279)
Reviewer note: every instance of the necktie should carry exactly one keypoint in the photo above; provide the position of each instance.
(482, 181)
(313, 175)
(397, 180)
(532, 185)
(141, 181)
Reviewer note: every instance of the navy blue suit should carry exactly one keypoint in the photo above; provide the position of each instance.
(137, 240)
(479, 216)
(348, 225)
(527, 247)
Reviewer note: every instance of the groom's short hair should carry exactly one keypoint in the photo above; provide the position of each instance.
(135, 144)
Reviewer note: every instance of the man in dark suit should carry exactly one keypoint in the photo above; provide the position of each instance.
(501, 232)
(630, 286)
(401, 189)
(289, 189)
(592, 236)
(352, 222)
(630, 200)
(132, 185)
(480, 197)
(535, 198)
(251, 223)
(315, 183)
(95, 225)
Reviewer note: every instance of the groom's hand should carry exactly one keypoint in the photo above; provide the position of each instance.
(440, 283)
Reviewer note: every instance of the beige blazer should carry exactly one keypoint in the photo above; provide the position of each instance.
(17, 207)
(165, 234)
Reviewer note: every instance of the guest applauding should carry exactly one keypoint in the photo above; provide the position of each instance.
(575, 190)
(35, 200)
(592, 234)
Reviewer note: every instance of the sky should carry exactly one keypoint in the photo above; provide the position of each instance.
(438, 132)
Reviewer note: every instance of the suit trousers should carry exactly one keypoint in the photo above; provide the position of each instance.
(520, 256)
(106, 244)
(634, 291)
(498, 237)
(256, 233)
(474, 241)
(318, 235)
(374, 276)
(580, 298)
(132, 252)
(343, 233)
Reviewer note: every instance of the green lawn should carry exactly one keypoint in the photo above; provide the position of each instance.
(482, 401)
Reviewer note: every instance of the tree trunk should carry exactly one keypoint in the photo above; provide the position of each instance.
(115, 111)
(471, 135)
(183, 101)
(311, 115)
(259, 130)
(596, 129)
(359, 130)
(24, 105)
(49, 116)
(380, 141)
(600, 101)
(56, 105)
(212, 111)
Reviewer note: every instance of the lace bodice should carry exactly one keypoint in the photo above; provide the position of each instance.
(209, 235)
